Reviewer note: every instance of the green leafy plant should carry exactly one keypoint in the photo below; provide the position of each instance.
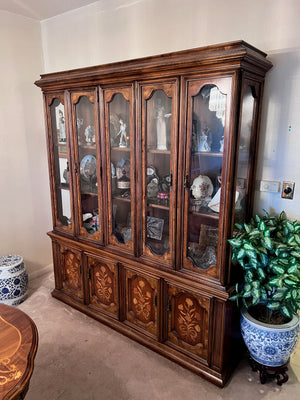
(268, 250)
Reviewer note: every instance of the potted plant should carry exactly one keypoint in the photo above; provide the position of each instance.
(268, 251)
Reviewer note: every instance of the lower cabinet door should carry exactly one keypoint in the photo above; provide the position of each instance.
(103, 286)
(71, 271)
(188, 316)
(142, 299)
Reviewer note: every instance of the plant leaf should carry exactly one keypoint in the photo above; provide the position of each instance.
(274, 305)
(235, 242)
(286, 311)
(278, 295)
(289, 282)
(278, 269)
(275, 282)
(292, 269)
(290, 226)
(261, 273)
(262, 226)
(257, 219)
(282, 216)
(239, 226)
(267, 242)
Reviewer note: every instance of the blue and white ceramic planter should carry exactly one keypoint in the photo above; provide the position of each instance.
(13, 280)
(270, 345)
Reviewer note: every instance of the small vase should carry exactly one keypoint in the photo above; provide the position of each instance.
(13, 280)
(270, 345)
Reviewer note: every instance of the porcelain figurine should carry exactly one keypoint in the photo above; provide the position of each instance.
(221, 145)
(89, 134)
(123, 134)
(161, 126)
(204, 145)
(62, 128)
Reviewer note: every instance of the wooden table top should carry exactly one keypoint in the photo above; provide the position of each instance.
(18, 346)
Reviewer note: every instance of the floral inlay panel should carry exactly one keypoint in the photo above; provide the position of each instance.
(72, 270)
(103, 286)
(188, 319)
(142, 300)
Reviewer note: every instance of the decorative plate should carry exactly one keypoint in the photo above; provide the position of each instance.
(88, 169)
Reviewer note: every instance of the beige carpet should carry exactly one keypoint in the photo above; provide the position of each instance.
(80, 359)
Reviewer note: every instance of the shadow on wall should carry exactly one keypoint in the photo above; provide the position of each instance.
(279, 148)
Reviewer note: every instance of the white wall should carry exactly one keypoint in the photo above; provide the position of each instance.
(24, 189)
(113, 30)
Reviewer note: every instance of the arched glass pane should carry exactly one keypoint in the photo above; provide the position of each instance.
(61, 164)
(204, 175)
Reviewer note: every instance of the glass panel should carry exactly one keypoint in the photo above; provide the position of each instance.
(85, 133)
(244, 153)
(61, 164)
(158, 177)
(119, 136)
(204, 175)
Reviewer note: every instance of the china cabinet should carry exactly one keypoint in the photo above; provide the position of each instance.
(151, 162)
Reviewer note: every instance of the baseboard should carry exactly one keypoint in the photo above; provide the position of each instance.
(40, 272)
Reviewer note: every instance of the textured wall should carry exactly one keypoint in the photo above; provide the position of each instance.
(25, 215)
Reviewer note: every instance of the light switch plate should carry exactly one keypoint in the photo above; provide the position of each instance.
(288, 189)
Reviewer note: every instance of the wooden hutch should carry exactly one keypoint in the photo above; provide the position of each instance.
(151, 163)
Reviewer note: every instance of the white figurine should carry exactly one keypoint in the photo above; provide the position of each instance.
(203, 144)
(123, 134)
(161, 127)
(62, 129)
(89, 134)
(221, 145)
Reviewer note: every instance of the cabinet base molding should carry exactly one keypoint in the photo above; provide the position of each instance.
(216, 377)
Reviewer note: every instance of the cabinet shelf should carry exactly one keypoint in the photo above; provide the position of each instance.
(158, 205)
(89, 193)
(155, 151)
(120, 198)
(120, 148)
(207, 154)
(205, 214)
(64, 186)
(87, 146)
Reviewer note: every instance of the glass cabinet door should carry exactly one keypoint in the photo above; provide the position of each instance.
(87, 164)
(207, 128)
(60, 176)
(246, 148)
(120, 167)
(159, 132)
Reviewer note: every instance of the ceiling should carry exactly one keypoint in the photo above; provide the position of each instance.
(41, 9)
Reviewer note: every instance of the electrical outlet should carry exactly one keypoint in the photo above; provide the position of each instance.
(288, 189)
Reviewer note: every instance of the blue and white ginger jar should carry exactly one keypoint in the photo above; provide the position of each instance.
(270, 345)
(13, 280)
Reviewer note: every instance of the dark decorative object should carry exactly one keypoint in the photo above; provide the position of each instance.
(155, 227)
(268, 373)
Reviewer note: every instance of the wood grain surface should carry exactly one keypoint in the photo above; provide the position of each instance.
(18, 346)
